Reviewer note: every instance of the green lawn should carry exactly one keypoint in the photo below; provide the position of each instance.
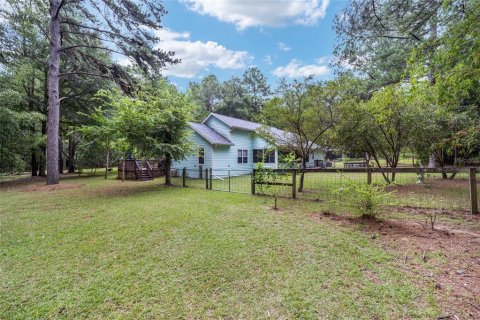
(107, 249)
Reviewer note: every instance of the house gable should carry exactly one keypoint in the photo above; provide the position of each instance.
(219, 126)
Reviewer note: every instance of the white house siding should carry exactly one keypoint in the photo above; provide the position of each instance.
(316, 155)
(191, 161)
(225, 157)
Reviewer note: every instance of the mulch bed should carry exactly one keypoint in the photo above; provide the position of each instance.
(446, 259)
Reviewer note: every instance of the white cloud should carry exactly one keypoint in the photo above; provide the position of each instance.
(322, 60)
(245, 14)
(196, 56)
(268, 59)
(282, 46)
(295, 69)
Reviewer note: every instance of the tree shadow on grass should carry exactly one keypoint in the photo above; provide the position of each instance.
(444, 258)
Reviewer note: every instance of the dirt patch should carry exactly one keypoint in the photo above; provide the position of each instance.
(55, 187)
(462, 218)
(446, 259)
(422, 210)
(272, 209)
(435, 187)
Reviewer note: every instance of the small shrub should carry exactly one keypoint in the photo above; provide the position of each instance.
(364, 199)
(263, 176)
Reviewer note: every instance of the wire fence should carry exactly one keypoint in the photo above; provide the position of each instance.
(430, 190)
(238, 181)
(449, 188)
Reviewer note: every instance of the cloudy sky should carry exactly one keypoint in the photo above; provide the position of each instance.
(284, 38)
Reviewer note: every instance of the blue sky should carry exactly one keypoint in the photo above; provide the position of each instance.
(283, 38)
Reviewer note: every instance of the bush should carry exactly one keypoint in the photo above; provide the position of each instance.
(364, 199)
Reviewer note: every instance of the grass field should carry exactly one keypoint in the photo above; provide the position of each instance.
(105, 249)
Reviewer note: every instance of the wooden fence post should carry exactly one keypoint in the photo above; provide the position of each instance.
(369, 176)
(200, 172)
(253, 181)
(184, 177)
(206, 179)
(229, 186)
(473, 191)
(294, 184)
(211, 178)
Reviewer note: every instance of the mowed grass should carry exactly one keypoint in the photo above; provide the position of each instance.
(133, 250)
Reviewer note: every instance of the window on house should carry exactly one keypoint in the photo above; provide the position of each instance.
(270, 156)
(201, 155)
(257, 155)
(242, 156)
(260, 155)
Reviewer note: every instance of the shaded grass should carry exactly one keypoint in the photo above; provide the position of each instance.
(138, 250)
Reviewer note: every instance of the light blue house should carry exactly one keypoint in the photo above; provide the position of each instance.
(234, 145)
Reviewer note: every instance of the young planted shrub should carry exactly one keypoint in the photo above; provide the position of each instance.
(266, 178)
(363, 199)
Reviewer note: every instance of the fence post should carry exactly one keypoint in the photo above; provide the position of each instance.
(200, 172)
(228, 180)
(253, 181)
(473, 191)
(294, 184)
(184, 177)
(206, 179)
(369, 175)
(211, 178)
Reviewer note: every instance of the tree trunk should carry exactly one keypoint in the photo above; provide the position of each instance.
(53, 176)
(43, 148)
(394, 164)
(43, 152)
(34, 163)
(71, 153)
(60, 154)
(385, 176)
(168, 164)
(31, 107)
(107, 160)
(302, 176)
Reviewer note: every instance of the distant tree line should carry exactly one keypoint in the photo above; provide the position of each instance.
(242, 97)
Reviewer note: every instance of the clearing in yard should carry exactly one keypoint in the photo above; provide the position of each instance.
(95, 248)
